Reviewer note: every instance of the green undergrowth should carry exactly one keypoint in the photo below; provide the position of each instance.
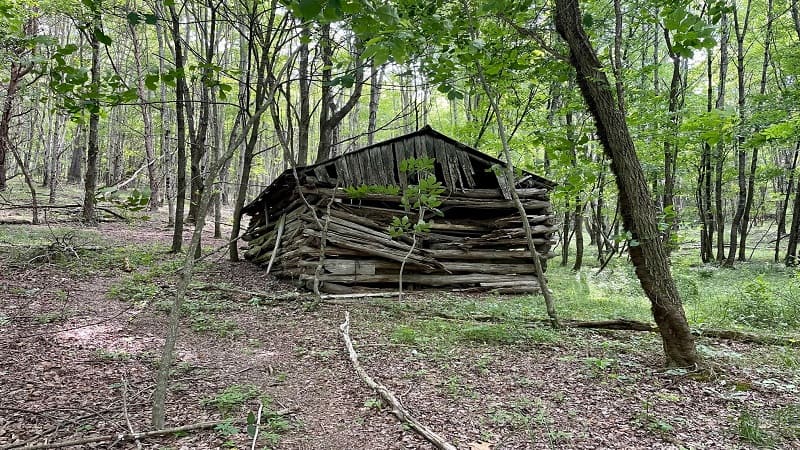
(756, 296)
(242, 400)
(432, 332)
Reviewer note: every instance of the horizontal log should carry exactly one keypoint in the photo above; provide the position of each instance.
(485, 255)
(496, 194)
(370, 266)
(374, 249)
(532, 219)
(479, 243)
(427, 279)
(446, 201)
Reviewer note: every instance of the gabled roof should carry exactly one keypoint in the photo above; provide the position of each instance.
(376, 164)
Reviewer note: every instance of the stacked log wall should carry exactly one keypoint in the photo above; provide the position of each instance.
(479, 243)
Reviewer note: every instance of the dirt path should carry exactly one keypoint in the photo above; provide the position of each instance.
(79, 345)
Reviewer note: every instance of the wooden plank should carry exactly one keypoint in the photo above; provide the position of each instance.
(536, 193)
(441, 160)
(389, 165)
(344, 266)
(399, 156)
(322, 174)
(377, 168)
(465, 164)
(501, 182)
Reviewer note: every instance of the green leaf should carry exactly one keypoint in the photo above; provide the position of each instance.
(309, 9)
(102, 37)
(151, 81)
(134, 18)
(150, 19)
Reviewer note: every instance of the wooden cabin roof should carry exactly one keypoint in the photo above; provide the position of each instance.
(458, 167)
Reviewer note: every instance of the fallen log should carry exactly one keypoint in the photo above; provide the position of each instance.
(635, 325)
(388, 396)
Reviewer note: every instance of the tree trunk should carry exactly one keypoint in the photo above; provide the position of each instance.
(638, 212)
(74, 173)
(93, 147)
(794, 231)
(785, 203)
(200, 135)
(719, 157)
(147, 123)
(330, 117)
(304, 83)
(374, 98)
(737, 224)
(17, 72)
(704, 179)
(180, 121)
(578, 215)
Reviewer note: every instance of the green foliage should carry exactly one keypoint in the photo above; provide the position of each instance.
(749, 429)
(419, 198)
(232, 397)
(437, 332)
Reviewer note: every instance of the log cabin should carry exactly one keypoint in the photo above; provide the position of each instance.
(309, 225)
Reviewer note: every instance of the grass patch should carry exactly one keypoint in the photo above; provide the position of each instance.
(749, 429)
(756, 296)
(232, 398)
(447, 332)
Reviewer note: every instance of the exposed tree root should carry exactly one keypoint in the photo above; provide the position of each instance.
(397, 407)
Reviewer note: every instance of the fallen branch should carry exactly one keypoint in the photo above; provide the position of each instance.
(635, 325)
(119, 437)
(397, 407)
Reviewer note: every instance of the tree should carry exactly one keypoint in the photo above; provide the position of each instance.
(17, 72)
(647, 251)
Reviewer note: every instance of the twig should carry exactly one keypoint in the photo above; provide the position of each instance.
(120, 437)
(281, 226)
(258, 426)
(397, 407)
(125, 410)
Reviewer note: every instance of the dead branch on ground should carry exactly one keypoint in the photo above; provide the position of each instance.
(397, 407)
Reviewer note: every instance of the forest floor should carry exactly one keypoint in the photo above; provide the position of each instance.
(81, 334)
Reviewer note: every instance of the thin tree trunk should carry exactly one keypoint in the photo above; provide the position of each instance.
(330, 117)
(180, 120)
(147, 123)
(200, 135)
(374, 99)
(785, 203)
(304, 85)
(737, 224)
(508, 172)
(719, 157)
(93, 147)
(17, 72)
(578, 215)
(74, 172)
